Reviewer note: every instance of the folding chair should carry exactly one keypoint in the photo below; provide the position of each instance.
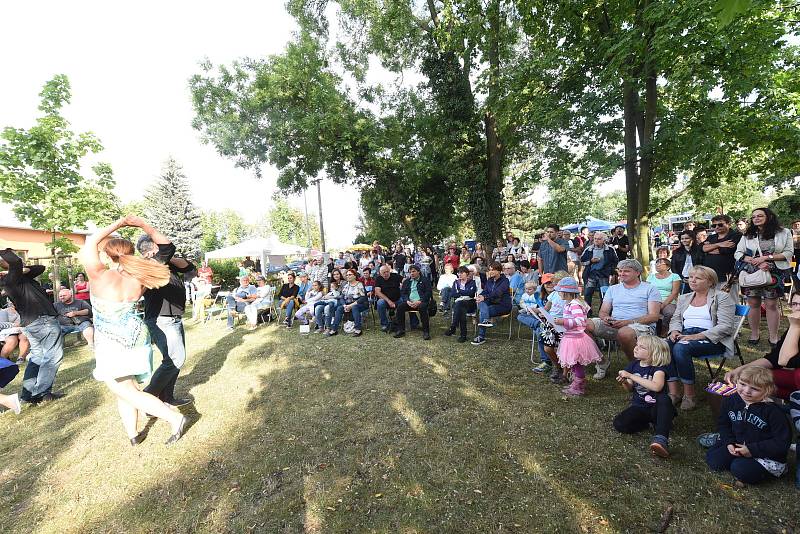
(741, 313)
(509, 316)
(217, 305)
(611, 345)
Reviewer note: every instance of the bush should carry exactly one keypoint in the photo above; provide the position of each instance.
(226, 272)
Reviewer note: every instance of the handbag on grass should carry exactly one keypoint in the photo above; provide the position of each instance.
(751, 276)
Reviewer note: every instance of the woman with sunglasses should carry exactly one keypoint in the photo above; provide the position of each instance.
(766, 246)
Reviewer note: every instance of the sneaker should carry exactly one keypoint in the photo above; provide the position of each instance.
(317, 330)
(384, 329)
(556, 376)
(330, 333)
(478, 340)
(602, 369)
(486, 324)
(708, 439)
(356, 333)
(450, 332)
(659, 446)
(426, 336)
(544, 368)
(16, 406)
(688, 403)
(399, 334)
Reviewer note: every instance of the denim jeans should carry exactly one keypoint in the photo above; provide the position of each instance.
(445, 294)
(533, 322)
(383, 313)
(289, 309)
(748, 470)
(355, 311)
(487, 311)
(682, 366)
(168, 335)
(460, 310)
(47, 352)
(323, 314)
(592, 285)
(233, 306)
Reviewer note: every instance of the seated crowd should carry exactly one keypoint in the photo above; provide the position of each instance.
(684, 310)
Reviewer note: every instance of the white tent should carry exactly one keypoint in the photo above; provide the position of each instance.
(270, 250)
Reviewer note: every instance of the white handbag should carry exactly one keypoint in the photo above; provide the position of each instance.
(757, 279)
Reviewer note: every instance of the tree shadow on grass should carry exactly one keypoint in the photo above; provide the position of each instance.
(338, 435)
(32, 441)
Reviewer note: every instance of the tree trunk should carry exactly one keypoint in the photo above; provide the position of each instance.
(630, 99)
(494, 144)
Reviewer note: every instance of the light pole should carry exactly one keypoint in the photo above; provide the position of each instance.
(321, 226)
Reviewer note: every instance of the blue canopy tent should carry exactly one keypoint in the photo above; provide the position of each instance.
(595, 225)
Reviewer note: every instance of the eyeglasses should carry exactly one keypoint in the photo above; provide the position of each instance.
(794, 304)
(718, 225)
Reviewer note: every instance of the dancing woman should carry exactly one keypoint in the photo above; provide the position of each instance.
(123, 354)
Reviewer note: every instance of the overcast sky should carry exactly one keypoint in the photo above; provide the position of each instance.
(129, 66)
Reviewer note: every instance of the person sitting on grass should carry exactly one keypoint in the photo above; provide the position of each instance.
(239, 298)
(415, 296)
(313, 296)
(783, 360)
(288, 298)
(11, 335)
(445, 286)
(754, 432)
(630, 308)
(463, 296)
(645, 377)
(494, 301)
(576, 348)
(325, 307)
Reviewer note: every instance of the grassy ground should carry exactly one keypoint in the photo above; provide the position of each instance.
(304, 434)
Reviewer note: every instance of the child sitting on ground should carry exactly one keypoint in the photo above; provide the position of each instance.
(576, 348)
(754, 432)
(645, 378)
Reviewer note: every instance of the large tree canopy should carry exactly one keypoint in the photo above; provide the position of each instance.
(659, 89)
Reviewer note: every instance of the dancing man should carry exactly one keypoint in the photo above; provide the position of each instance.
(163, 313)
(39, 322)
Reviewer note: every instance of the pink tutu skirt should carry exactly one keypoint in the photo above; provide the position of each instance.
(578, 349)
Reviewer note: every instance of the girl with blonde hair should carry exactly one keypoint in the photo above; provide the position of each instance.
(646, 378)
(123, 353)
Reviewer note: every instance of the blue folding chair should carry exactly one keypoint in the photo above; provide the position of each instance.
(741, 313)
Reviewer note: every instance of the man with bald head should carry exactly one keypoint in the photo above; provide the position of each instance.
(387, 290)
(75, 316)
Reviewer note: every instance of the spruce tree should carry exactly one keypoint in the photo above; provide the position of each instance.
(169, 208)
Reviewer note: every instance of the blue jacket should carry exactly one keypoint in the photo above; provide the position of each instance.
(762, 426)
(469, 289)
(423, 288)
(496, 292)
(609, 264)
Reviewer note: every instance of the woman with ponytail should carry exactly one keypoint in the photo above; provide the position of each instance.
(123, 354)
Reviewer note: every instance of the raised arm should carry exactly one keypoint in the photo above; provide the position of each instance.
(90, 255)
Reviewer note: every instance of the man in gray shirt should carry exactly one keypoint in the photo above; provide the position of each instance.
(552, 251)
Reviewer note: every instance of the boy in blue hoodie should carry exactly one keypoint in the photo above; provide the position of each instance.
(754, 432)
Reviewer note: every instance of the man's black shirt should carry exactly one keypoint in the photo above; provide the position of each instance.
(391, 287)
(170, 300)
(722, 263)
(30, 299)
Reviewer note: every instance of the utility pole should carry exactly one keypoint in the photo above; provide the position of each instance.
(308, 226)
(321, 226)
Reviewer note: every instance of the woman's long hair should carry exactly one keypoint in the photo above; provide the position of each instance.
(149, 273)
(771, 227)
